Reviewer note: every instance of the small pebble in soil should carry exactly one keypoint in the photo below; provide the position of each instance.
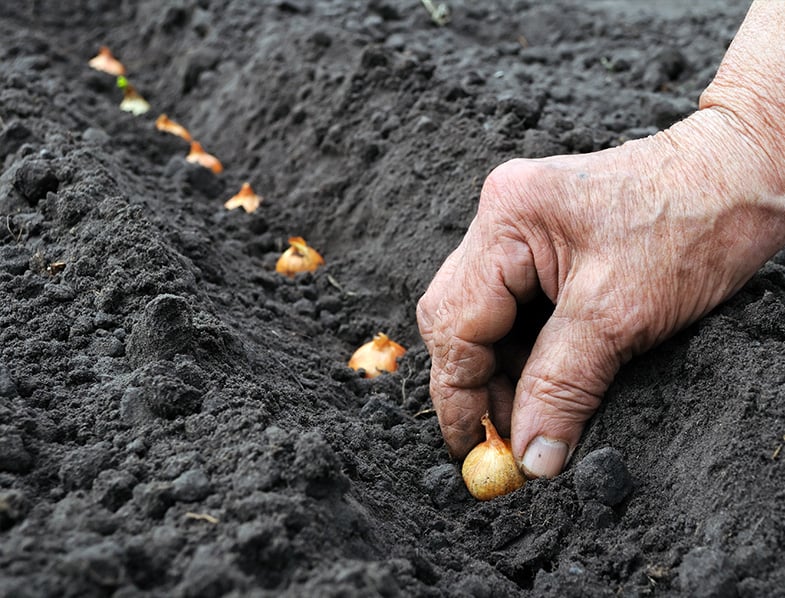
(602, 475)
(95, 136)
(191, 486)
(34, 178)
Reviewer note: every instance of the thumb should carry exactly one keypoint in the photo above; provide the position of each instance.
(572, 363)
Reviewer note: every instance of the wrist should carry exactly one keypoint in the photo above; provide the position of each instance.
(746, 93)
(746, 162)
(734, 180)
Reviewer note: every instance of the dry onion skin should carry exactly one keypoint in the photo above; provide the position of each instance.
(245, 198)
(105, 62)
(489, 469)
(197, 155)
(167, 125)
(377, 356)
(298, 258)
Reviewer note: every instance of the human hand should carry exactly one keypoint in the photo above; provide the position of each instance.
(629, 244)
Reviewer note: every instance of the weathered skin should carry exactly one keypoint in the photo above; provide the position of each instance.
(631, 244)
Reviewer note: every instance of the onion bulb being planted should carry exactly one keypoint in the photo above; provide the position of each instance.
(489, 470)
(106, 63)
(298, 258)
(167, 125)
(377, 356)
(197, 155)
(245, 198)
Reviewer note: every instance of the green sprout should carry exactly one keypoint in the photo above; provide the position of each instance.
(122, 82)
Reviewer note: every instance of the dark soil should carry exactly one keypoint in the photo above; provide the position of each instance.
(176, 419)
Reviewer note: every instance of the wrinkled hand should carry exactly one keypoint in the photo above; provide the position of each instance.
(629, 245)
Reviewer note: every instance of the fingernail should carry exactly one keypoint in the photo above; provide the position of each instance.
(544, 457)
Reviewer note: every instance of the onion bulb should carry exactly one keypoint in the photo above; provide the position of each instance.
(197, 155)
(245, 198)
(377, 356)
(106, 63)
(489, 470)
(167, 125)
(298, 258)
(132, 102)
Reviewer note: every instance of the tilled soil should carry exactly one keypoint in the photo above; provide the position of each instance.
(176, 419)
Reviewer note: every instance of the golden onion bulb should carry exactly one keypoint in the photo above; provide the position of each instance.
(245, 199)
(377, 356)
(298, 258)
(104, 61)
(133, 101)
(489, 469)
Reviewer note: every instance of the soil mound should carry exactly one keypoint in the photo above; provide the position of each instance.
(176, 419)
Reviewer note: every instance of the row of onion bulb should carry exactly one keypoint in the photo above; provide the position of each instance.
(380, 354)
(489, 470)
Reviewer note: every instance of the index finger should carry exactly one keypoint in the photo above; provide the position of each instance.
(470, 305)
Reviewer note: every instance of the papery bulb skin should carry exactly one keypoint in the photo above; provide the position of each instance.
(490, 470)
(107, 63)
(298, 258)
(245, 198)
(197, 155)
(166, 124)
(377, 356)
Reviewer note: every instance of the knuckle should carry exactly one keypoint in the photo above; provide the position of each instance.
(424, 314)
(509, 185)
(463, 364)
(455, 419)
(435, 318)
(569, 399)
(498, 185)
